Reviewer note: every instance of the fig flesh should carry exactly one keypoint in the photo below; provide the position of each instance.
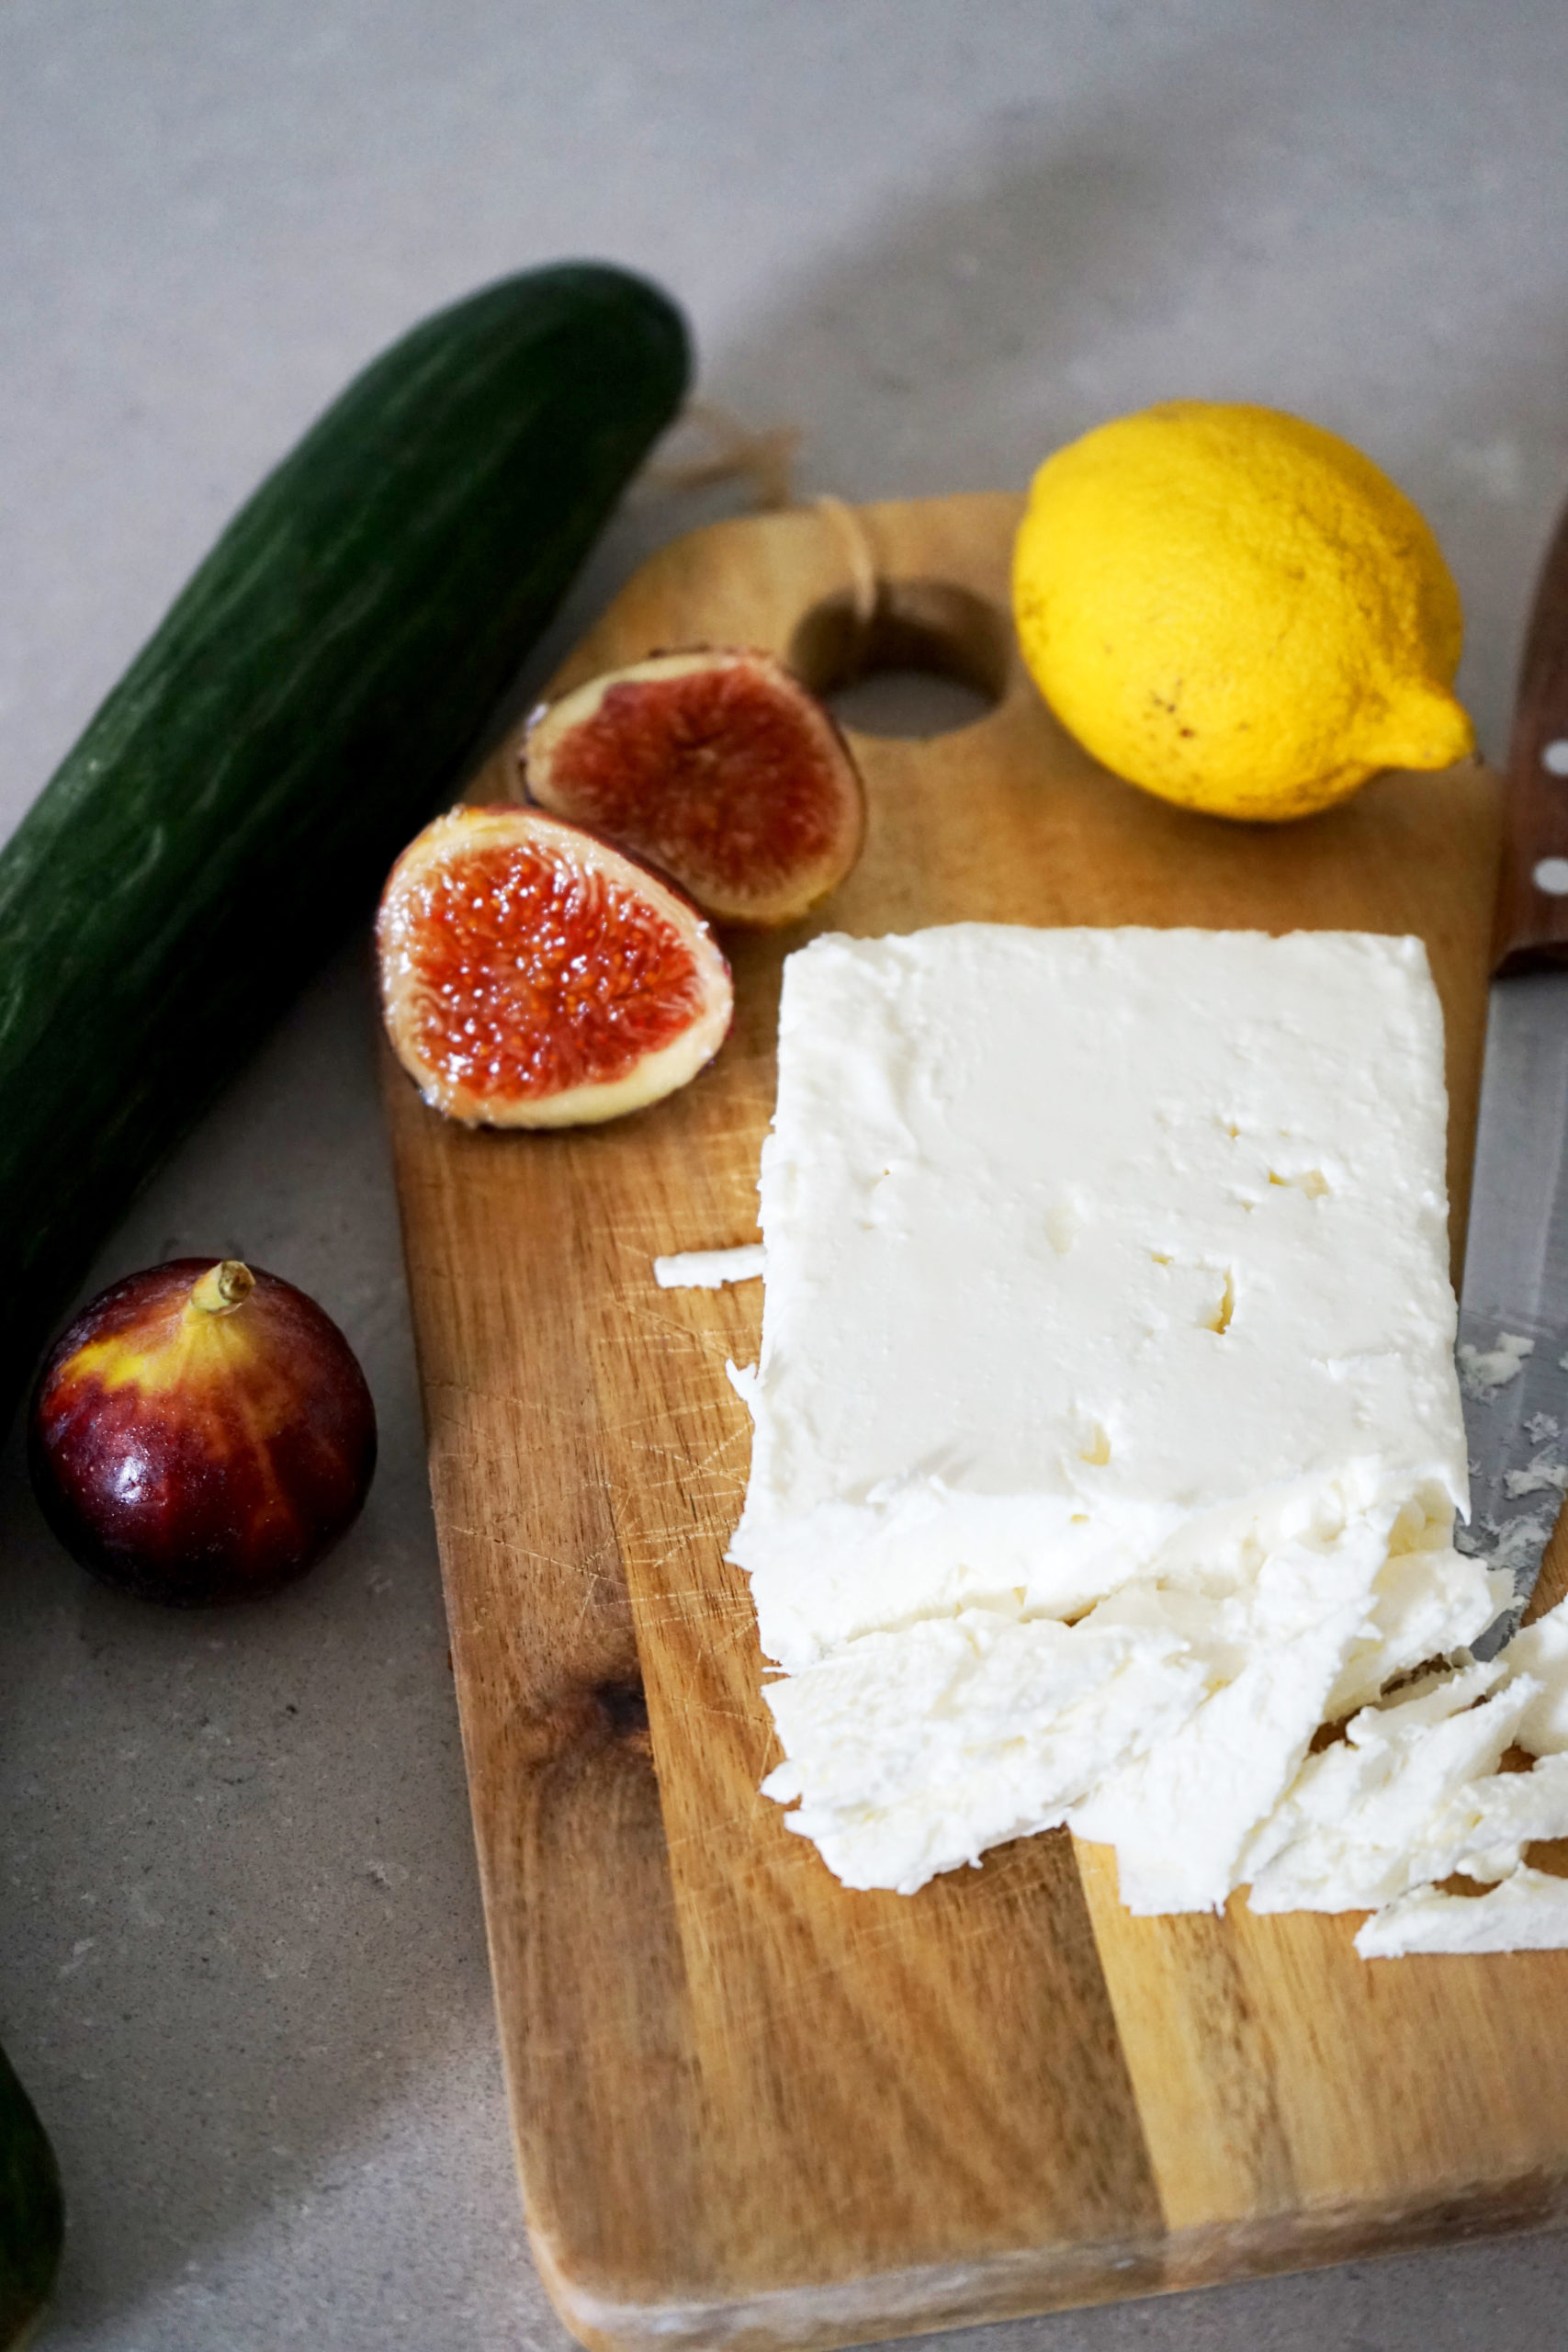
(201, 1433)
(532, 975)
(718, 767)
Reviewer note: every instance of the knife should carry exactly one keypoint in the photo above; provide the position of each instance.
(1513, 1322)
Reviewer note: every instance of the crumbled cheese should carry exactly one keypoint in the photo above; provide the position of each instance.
(1543, 1473)
(1426, 1604)
(914, 1751)
(709, 1268)
(1396, 1803)
(1180, 1817)
(1482, 1370)
(1528, 1912)
(1414, 1794)
(1541, 1651)
(1517, 1546)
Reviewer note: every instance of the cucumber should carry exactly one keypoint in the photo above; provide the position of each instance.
(307, 703)
(32, 2217)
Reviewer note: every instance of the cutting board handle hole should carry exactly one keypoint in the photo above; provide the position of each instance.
(930, 658)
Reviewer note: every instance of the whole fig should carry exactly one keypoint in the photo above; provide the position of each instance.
(201, 1433)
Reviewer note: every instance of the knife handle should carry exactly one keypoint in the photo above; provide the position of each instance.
(1531, 927)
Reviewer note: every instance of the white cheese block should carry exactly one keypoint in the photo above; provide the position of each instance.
(1106, 1280)
(1528, 1912)
(1093, 1255)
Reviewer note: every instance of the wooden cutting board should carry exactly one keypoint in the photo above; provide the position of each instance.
(752, 2107)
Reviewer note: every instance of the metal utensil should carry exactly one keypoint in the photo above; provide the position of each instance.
(1513, 1326)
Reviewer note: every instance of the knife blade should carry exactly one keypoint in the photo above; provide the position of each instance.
(1513, 1323)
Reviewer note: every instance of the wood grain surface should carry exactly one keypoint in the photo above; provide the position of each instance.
(750, 2106)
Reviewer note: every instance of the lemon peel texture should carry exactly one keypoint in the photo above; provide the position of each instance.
(1237, 610)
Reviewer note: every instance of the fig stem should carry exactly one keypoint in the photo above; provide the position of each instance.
(222, 1287)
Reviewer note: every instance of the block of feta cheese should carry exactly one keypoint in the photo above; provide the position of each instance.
(1091, 1255)
(1107, 1343)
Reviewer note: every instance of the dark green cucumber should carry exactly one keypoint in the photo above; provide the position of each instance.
(32, 2218)
(306, 705)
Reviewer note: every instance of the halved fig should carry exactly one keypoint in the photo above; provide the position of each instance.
(534, 977)
(716, 767)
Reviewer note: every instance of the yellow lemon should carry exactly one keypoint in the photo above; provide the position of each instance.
(1237, 610)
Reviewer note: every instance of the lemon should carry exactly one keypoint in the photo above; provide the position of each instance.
(1237, 611)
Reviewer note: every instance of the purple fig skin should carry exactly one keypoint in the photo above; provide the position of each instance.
(201, 1434)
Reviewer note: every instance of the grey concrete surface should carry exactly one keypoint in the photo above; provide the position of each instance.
(241, 1957)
